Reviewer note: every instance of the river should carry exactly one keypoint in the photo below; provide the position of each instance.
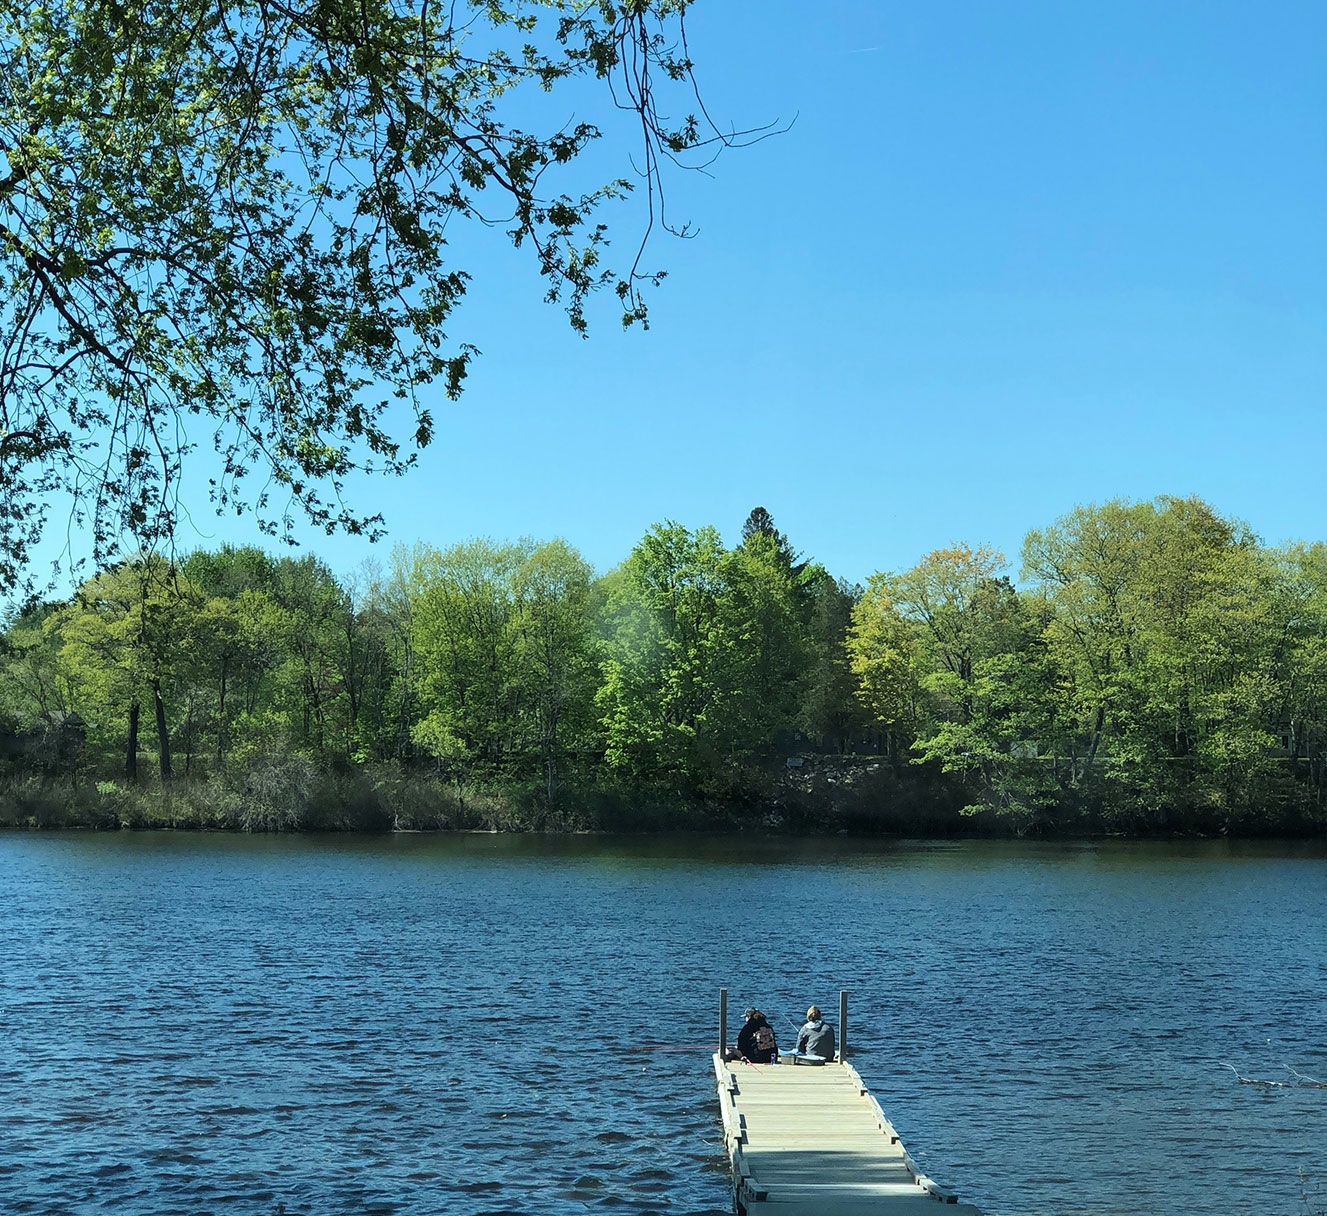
(414, 1025)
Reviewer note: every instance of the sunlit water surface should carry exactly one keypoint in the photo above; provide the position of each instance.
(419, 1025)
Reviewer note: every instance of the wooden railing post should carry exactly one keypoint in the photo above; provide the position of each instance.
(843, 1025)
(723, 1022)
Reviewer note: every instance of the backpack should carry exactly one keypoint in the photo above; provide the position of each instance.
(764, 1038)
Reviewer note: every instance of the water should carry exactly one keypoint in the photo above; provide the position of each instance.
(418, 1025)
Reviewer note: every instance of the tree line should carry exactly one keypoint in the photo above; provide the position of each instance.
(1156, 668)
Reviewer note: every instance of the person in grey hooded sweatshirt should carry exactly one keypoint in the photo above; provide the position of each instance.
(816, 1038)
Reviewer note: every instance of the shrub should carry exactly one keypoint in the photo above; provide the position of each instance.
(276, 794)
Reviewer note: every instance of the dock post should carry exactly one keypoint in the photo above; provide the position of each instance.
(723, 1021)
(843, 1025)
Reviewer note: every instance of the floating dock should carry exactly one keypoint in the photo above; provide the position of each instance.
(812, 1141)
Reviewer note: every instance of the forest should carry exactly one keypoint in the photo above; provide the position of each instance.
(1155, 669)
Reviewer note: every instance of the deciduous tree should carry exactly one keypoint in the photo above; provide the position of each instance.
(226, 223)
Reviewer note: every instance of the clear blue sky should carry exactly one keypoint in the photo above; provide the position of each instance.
(1009, 258)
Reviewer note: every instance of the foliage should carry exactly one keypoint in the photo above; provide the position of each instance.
(830, 713)
(705, 654)
(223, 221)
(1161, 670)
(883, 652)
(502, 638)
(1158, 673)
(1172, 624)
(665, 680)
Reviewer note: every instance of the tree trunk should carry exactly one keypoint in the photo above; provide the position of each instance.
(352, 681)
(404, 718)
(131, 746)
(550, 755)
(1096, 739)
(221, 718)
(163, 736)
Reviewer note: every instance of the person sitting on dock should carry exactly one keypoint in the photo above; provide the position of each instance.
(816, 1038)
(755, 1041)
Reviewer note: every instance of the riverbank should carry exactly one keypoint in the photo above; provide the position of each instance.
(827, 795)
(291, 795)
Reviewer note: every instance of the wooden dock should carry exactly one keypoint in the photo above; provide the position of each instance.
(812, 1141)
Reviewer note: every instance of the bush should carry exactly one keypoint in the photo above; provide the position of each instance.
(277, 794)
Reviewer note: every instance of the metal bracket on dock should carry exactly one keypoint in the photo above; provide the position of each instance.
(745, 1186)
(747, 1193)
(734, 1130)
(725, 1076)
(927, 1183)
(856, 1078)
(882, 1119)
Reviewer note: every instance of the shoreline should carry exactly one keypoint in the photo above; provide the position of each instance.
(698, 832)
(855, 797)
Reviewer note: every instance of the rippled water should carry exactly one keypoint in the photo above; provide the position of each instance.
(476, 1024)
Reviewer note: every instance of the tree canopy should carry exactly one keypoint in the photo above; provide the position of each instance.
(1159, 670)
(224, 223)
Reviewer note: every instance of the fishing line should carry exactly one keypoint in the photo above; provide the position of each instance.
(677, 1047)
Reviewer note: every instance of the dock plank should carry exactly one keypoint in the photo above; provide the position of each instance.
(806, 1141)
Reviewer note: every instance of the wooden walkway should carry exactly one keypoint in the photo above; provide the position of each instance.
(810, 1140)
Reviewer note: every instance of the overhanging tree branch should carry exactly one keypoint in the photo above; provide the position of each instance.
(237, 215)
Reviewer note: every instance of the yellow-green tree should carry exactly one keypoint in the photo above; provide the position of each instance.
(127, 638)
(883, 652)
(1177, 631)
(462, 619)
(556, 656)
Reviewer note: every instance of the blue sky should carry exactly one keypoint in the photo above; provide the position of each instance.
(1009, 258)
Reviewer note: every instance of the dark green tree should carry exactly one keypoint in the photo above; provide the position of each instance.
(665, 696)
(705, 657)
(830, 711)
(760, 523)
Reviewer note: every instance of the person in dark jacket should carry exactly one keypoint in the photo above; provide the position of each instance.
(816, 1038)
(755, 1041)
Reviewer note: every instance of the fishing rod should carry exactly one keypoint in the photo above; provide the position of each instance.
(787, 1019)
